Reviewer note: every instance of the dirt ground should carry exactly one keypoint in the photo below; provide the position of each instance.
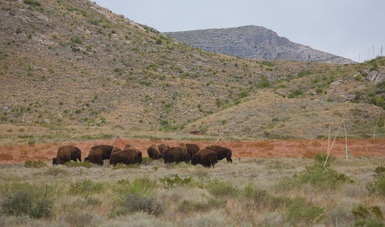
(12, 154)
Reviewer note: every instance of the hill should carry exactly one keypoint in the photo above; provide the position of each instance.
(254, 42)
(72, 68)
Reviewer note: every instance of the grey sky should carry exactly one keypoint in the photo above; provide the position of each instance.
(348, 28)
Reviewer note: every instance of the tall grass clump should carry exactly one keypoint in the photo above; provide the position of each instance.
(136, 196)
(26, 199)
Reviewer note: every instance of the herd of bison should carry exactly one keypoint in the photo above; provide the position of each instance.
(184, 152)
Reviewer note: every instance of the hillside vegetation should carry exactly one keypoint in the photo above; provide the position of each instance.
(72, 64)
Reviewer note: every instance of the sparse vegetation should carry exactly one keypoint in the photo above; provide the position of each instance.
(83, 196)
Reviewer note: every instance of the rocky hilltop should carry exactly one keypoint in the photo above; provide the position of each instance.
(254, 42)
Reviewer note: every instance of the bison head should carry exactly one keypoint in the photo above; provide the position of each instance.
(195, 159)
(56, 161)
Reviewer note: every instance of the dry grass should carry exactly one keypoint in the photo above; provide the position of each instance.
(244, 193)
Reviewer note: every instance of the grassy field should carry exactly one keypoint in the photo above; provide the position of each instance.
(251, 192)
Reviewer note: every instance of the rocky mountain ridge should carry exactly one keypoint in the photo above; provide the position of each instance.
(254, 42)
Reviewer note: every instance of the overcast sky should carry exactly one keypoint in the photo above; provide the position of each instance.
(353, 29)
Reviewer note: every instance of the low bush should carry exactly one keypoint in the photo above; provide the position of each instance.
(169, 182)
(141, 186)
(222, 189)
(371, 216)
(377, 186)
(320, 178)
(260, 199)
(131, 203)
(136, 196)
(302, 212)
(26, 199)
(85, 187)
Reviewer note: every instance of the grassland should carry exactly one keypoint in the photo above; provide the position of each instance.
(251, 192)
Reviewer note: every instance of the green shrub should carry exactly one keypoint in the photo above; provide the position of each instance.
(132, 203)
(295, 93)
(257, 199)
(142, 186)
(321, 178)
(371, 216)
(377, 186)
(302, 212)
(85, 187)
(221, 189)
(32, 2)
(320, 159)
(34, 164)
(169, 182)
(26, 199)
(379, 171)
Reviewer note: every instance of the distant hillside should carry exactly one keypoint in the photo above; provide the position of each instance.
(72, 65)
(253, 42)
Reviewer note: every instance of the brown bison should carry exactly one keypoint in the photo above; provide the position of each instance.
(205, 157)
(222, 152)
(126, 156)
(175, 154)
(67, 153)
(191, 148)
(153, 152)
(99, 153)
(162, 147)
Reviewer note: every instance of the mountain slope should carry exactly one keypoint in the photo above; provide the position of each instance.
(75, 64)
(253, 42)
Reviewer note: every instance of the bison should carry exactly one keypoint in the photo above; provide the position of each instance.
(67, 153)
(222, 152)
(175, 154)
(153, 152)
(126, 156)
(191, 148)
(99, 153)
(205, 157)
(162, 147)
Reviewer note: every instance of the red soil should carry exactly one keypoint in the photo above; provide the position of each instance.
(11, 154)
